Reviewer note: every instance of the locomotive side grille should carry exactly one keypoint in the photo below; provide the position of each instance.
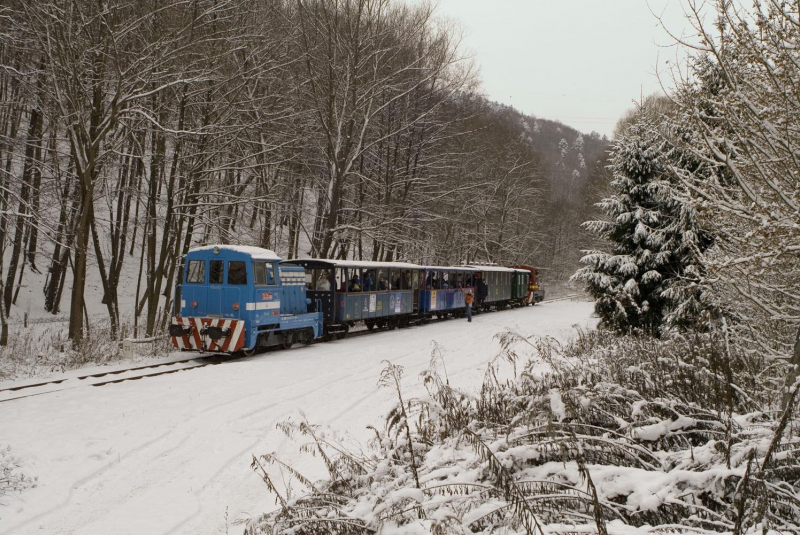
(293, 278)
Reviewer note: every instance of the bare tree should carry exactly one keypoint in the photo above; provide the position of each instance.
(740, 106)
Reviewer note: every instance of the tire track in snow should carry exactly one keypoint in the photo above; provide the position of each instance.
(235, 414)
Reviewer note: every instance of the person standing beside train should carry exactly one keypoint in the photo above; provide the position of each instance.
(468, 301)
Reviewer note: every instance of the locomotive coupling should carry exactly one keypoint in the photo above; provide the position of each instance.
(215, 333)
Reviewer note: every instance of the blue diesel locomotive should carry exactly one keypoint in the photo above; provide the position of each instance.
(237, 299)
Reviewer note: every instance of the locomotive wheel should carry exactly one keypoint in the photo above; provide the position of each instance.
(287, 345)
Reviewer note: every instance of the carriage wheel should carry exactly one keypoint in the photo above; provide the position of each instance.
(340, 335)
(370, 325)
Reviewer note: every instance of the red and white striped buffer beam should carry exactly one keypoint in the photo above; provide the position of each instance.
(199, 337)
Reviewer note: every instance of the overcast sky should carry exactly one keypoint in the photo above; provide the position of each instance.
(582, 62)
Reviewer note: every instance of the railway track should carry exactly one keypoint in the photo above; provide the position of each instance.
(134, 373)
(102, 378)
(564, 298)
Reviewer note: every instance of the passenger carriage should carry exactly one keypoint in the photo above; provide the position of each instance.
(501, 283)
(384, 296)
(440, 292)
(237, 298)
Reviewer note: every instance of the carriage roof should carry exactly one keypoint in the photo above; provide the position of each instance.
(326, 262)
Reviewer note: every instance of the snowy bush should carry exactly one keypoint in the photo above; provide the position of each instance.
(605, 435)
(46, 348)
(11, 479)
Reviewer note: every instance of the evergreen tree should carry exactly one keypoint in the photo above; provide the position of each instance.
(651, 274)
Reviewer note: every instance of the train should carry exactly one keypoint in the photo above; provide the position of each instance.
(236, 300)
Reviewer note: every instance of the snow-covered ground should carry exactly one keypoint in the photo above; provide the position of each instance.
(171, 454)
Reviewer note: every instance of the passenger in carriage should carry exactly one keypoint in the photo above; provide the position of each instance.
(482, 291)
(382, 284)
(323, 283)
(429, 281)
(368, 284)
(355, 284)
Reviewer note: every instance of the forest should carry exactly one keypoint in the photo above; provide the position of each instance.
(678, 414)
(131, 131)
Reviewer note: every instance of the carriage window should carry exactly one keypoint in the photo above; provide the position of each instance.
(237, 273)
(415, 280)
(215, 272)
(406, 279)
(196, 272)
(263, 274)
(320, 279)
(383, 284)
(341, 279)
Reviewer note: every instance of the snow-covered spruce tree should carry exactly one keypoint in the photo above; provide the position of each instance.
(650, 273)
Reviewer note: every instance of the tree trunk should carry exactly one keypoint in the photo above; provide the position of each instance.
(794, 371)
(77, 304)
(23, 212)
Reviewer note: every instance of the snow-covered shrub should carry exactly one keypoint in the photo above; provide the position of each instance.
(11, 478)
(45, 348)
(605, 435)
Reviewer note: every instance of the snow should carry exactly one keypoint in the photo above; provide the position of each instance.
(257, 253)
(557, 405)
(172, 453)
(358, 263)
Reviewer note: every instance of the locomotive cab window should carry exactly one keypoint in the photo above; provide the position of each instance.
(197, 272)
(263, 274)
(237, 272)
(215, 272)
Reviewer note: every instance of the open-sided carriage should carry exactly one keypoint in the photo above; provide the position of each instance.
(380, 294)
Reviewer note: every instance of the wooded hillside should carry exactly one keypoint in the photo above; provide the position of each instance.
(130, 131)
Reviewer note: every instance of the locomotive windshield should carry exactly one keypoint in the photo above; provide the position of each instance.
(197, 272)
(215, 273)
(237, 273)
(263, 273)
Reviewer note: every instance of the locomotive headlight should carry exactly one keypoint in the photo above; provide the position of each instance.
(216, 249)
(236, 306)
